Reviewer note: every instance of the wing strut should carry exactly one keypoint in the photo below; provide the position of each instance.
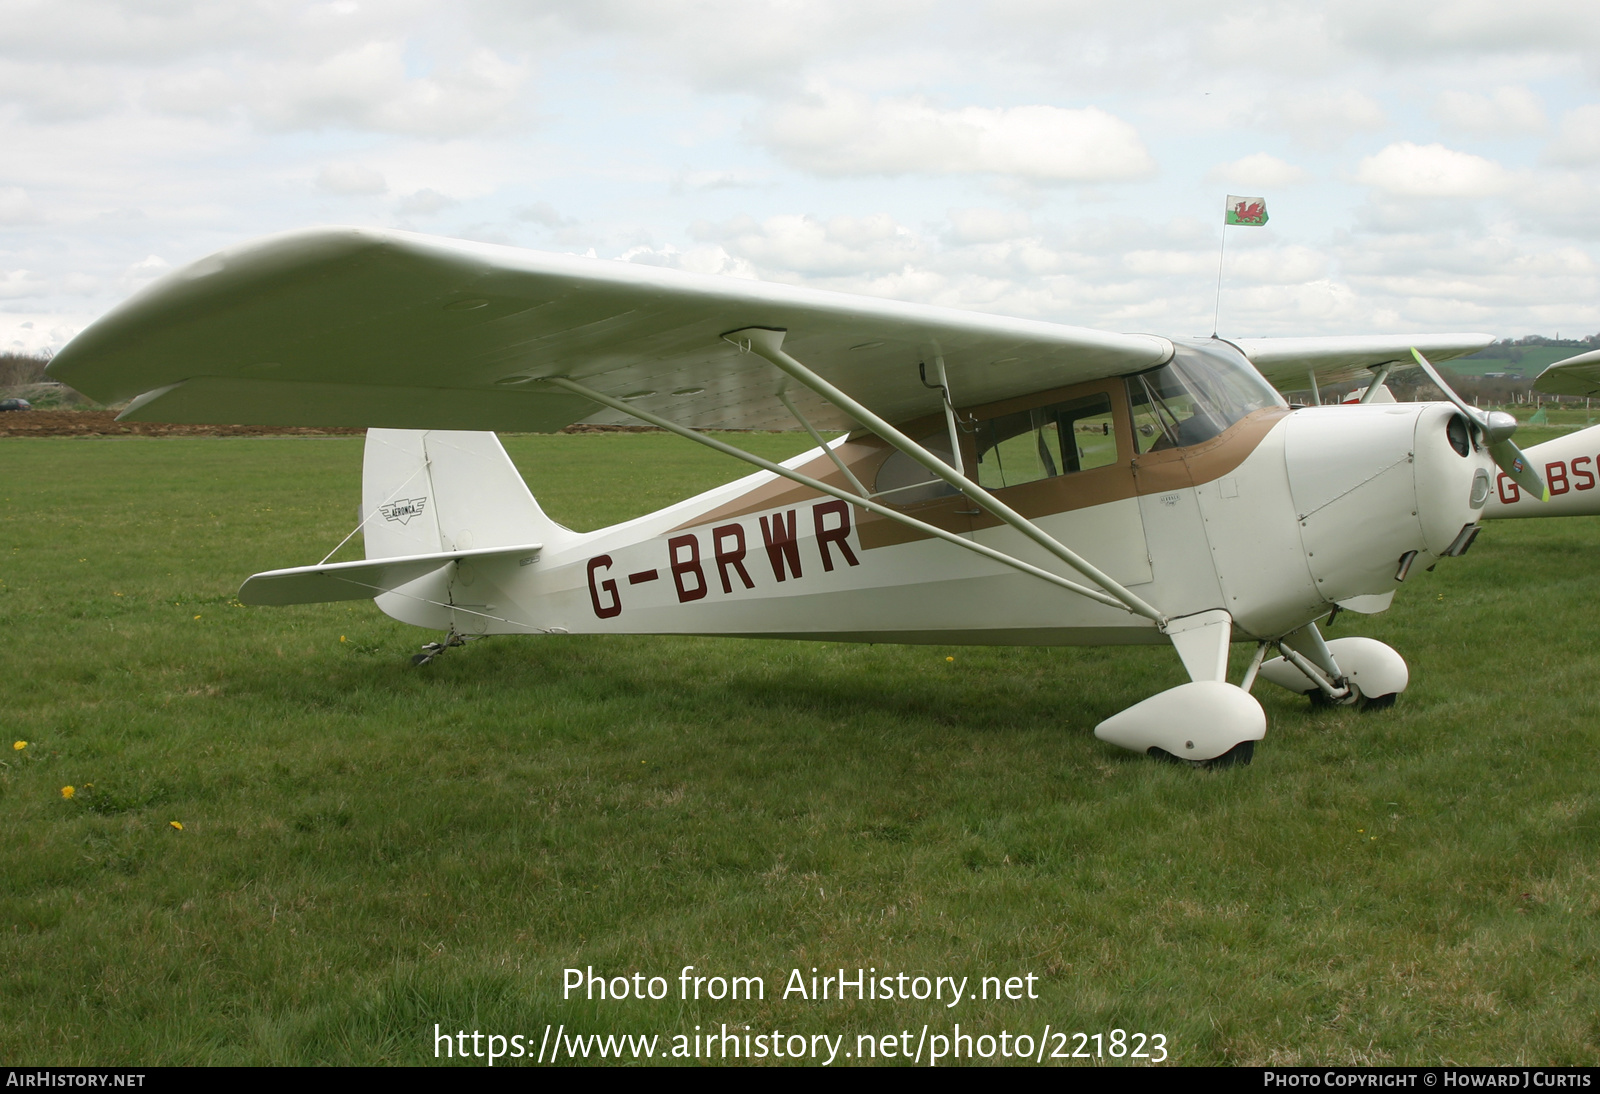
(769, 344)
(824, 445)
(1379, 375)
(833, 491)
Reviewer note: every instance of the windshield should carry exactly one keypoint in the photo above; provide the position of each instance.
(1205, 388)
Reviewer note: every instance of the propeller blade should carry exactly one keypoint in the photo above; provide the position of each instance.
(1497, 429)
(1473, 413)
(1510, 459)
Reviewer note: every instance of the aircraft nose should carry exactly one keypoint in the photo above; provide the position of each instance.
(1372, 484)
(1453, 472)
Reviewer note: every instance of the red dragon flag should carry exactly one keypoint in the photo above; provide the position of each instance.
(1251, 212)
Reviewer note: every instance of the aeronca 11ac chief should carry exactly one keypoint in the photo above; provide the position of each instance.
(999, 481)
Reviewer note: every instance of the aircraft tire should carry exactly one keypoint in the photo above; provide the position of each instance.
(1320, 701)
(1363, 703)
(1239, 755)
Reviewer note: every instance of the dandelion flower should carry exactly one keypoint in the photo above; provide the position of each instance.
(176, 824)
(197, 617)
(68, 791)
(949, 658)
(19, 745)
(341, 638)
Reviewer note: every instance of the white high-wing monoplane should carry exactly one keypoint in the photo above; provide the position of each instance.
(1002, 481)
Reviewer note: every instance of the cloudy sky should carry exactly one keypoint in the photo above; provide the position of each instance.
(1429, 164)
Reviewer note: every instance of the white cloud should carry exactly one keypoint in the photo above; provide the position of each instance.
(368, 87)
(988, 225)
(1258, 170)
(350, 178)
(424, 203)
(16, 284)
(1420, 28)
(1324, 117)
(202, 93)
(1431, 171)
(58, 92)
(794, 244)
(1508, 112)
(542, 212)
(180, 128)
(15, 206)
(841, 133)
(1578, 140)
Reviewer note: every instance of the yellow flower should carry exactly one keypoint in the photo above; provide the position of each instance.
(176, 824)
(197, 617)
(20, 745)
(341, 638)
(68, 791)
(949, 658)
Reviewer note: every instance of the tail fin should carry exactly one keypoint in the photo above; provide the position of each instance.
(424, 491)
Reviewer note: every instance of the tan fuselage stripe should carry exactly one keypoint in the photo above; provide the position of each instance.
(1151, 473)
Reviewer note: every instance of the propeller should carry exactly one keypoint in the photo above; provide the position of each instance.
(1497, 428)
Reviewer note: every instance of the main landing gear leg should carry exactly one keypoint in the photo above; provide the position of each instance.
(1359, 672)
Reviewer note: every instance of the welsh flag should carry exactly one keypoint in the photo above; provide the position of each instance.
(1247, 211)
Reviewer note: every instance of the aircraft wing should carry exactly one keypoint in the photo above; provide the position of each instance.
(1287, 362)
(1578, 375)
(362, 579)
(361, 327)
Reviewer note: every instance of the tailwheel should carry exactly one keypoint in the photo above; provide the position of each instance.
(436, 649)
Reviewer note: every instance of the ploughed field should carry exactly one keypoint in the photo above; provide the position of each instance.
(368, 849)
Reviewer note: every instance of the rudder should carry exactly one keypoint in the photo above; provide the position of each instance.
(427, 490)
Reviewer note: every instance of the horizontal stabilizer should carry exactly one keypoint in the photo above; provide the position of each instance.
(361, 580)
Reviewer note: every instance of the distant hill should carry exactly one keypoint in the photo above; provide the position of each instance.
(1521, 357)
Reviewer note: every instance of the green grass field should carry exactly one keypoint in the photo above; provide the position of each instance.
(368, 849)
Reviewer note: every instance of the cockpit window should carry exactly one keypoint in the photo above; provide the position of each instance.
(1203, 390)
(1046, 441)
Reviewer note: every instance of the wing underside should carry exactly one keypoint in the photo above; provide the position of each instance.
(1287, 363)
(1578, 376)
(340, 326)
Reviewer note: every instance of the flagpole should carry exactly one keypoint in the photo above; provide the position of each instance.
(1217, 311)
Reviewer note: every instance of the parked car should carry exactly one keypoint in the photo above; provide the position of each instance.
(15, 404)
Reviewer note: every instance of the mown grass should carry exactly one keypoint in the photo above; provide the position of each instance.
(368, 849)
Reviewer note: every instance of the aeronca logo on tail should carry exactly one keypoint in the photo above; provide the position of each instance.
(403, 511)
(726, 557)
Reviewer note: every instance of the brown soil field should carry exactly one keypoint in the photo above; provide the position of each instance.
(103, 423)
